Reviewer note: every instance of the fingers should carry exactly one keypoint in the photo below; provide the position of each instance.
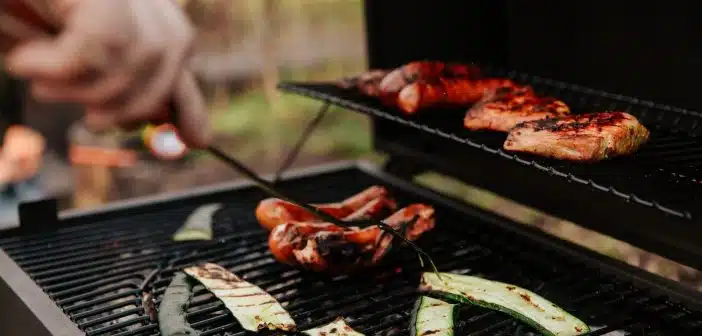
(193, 122)
(44, 59)
(169, 65)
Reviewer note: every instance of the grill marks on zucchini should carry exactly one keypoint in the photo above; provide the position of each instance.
(173, 307)
(250, 305)
(432, 317)
(518, 302)
(337, 327)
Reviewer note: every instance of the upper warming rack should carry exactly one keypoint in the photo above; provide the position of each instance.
(663, 174)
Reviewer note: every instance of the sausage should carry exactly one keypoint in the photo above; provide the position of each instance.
(425, 70)
(446, 93)
(327, 247)
(367, 83)
(272, 211)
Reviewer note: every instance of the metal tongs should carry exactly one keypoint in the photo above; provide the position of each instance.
(270, 188)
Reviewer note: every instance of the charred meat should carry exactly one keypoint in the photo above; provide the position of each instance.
(367, 83)
(585, 138)
(327, 247)
(504, 108)
(272, 211)
(446, 93)
(396, 80)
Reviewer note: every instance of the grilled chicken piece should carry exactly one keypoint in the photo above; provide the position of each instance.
(273, 211)
(409, 73)
(504, 108)
(447, 93)
(325, 247)
(585, 138)
(368, 83)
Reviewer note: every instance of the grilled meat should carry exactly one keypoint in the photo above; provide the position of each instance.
(446, 93)
(585, 138)
(272, 211)
(327, 247)
(409, 73)
(504, 108)
(367, 83)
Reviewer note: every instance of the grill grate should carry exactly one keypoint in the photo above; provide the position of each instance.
(94, 271)
(662, 175)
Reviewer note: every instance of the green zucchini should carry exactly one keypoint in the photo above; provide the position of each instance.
(198, 226)
(518, 302)
(250, 305)
(173, 307)
(432, 317)
(337, 327)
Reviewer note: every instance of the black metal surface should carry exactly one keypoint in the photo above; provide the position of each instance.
(94, 271)
(639, 49)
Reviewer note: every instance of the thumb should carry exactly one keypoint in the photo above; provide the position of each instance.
(193, 120)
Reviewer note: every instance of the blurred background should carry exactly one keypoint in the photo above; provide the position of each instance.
(245, 48)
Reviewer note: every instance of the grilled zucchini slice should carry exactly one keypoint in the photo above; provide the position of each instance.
(172, 311)
(518, 302)
(432, 317)
(336, 327)
(251, 306)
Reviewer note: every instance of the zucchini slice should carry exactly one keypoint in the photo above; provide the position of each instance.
(173, 307)
(518, 302)
(432, 317)
(198, 226)
(337, 327)
(251, 306)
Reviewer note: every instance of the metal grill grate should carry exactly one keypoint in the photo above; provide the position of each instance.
(94, 271)
(664, 174)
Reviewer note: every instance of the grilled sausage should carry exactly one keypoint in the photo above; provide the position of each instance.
(409, 73)
(272, 211)
(367, 83)
(327, 247)
(446, 93)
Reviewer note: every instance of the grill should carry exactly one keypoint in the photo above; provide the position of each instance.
(652, 188)
(86, 273)
(94, 270)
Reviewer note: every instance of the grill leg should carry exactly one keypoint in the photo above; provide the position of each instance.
(402, 167)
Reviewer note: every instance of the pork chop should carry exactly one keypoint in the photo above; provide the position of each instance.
(504, 108)
(585, 138)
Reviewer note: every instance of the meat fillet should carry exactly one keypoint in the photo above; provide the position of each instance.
(506, 107)
(585, 138)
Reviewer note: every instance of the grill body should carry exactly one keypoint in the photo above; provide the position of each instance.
(621, 49)
(90, 268)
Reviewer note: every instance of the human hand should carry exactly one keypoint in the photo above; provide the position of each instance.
(122, 59)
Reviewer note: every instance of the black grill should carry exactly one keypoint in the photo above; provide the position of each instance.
(662, 175)
(94, 271)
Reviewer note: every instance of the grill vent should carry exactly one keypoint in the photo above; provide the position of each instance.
(94, 272)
